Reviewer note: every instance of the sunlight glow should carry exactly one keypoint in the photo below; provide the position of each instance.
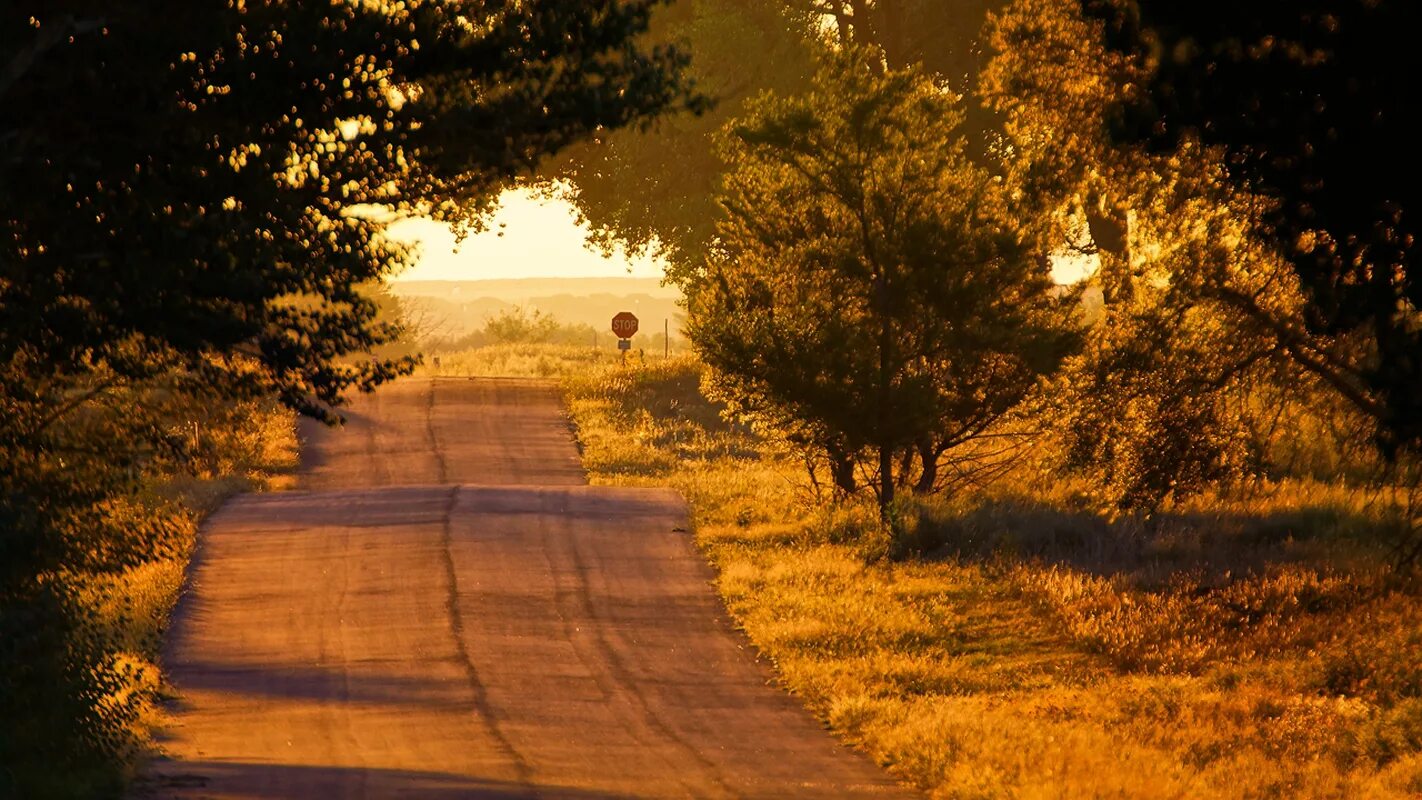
(1069, 268)
(529, 237)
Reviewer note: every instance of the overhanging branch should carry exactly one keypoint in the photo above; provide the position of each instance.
(51, 35)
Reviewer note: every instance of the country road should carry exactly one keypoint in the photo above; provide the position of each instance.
(445, 610)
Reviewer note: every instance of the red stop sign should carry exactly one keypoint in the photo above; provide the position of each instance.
(624, 325)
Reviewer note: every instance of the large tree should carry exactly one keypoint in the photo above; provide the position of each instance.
(655, 189)
(184, 213)
(1153, 409)
(869, 283)
(1308, 103)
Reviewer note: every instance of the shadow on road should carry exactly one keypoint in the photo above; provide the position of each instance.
(239, 781)
(309, 683)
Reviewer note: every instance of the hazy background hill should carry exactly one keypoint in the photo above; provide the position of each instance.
(448, 310)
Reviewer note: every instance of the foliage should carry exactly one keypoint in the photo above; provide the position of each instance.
(1294, 97)
(184, 198)
(1158, 406)
(81, 652)
(1162, 403)
(1140, 420)
(653, 189)
(517, 325)
(869, 282)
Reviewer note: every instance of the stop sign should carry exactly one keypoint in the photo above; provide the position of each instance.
(624, 325)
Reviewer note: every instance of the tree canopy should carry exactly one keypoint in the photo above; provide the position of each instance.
(181, 181)
(656, 188)
(1309, 105)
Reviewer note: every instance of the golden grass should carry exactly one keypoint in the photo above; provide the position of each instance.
(132, 607)
(516, 361)
(1247, 646)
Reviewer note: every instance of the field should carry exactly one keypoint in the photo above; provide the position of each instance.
(1007, 644)
(517, 361)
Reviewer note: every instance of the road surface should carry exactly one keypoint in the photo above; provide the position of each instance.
(446, 610)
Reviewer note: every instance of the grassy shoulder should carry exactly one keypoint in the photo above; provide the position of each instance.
(1246, 647)
(255, 448)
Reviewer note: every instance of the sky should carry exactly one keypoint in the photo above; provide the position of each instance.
(533, 237)
(529, 237)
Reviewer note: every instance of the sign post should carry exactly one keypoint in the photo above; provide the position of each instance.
(625, 326)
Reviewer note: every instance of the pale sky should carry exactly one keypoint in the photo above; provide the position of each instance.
(540, 239)
(531, 237)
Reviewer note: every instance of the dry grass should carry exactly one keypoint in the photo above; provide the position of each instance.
(131, 608)
(516, 361)
(1247, 646)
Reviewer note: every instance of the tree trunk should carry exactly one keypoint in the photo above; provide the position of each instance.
(1110, 232)
(842, 472)
(863, 16)
(866, 29)
(844, 23)
(886, 450)
(892, 32)
(926, 479)
(886, 480)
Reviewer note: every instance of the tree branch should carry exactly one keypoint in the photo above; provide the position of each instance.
(51, 35)
(73, 403)
(1305, 353)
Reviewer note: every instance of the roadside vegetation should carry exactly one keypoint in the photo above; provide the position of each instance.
(521, 360)
(1011, 642)
(526, 343)
(118, 602)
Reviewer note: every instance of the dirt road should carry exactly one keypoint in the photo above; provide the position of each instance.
(445, 611)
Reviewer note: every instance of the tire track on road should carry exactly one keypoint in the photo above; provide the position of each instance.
(617, 671)
(610, 666)
(482, 705)
(441, 461)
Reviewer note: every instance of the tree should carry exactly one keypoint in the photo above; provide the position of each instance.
(655, 189)
(1154, 408)
(180, 188)
(1247, 158)
(518, 325)
(1300, 99)
(868, 282)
